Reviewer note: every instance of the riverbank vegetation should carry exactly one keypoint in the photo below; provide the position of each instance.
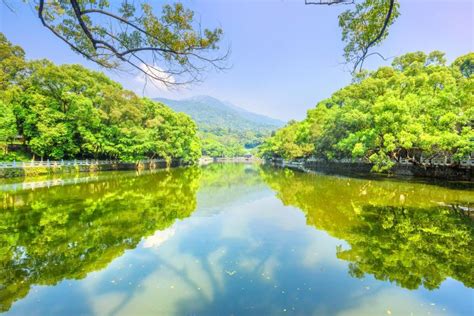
(419, 108)
(231, 143)
(67, 111)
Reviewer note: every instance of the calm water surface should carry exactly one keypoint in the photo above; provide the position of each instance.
(234, 240)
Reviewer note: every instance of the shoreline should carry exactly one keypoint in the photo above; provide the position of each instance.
(435, 172)
(208, 160)
(37, 168)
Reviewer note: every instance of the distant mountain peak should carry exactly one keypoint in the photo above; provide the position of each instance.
(208, 111)
(203, 98)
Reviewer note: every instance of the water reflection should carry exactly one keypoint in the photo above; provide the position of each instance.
(409, 233)
(65, 232)
(253, 241)
(225, 185)
(411, 246)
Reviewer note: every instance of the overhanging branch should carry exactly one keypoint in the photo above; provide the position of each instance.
(364, 51)
(137, 45)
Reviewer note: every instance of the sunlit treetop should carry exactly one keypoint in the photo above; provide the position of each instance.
(170, 47)
(12, 60)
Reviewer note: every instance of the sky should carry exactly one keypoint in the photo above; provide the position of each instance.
(285, 56)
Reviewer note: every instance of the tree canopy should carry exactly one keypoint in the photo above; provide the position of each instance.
(170, 47)
(418, 107)
(69, 111)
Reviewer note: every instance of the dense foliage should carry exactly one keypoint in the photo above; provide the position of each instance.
(230, 143)
(225, 130)
(418, 107)
(42, 242)
(69, 111)
(411, 234)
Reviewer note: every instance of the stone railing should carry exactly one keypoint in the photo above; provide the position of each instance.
(14, 169)
(64, 163)
(467, 162)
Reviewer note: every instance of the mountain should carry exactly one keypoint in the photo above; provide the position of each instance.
(226, 130)
(211, 113)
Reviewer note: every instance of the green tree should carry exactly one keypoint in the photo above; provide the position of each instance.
(12, 66)
(7, 125)
(68, 111)
(212, 147)
(419, 107)
(169, 47)
(290, 142)
(12, 62)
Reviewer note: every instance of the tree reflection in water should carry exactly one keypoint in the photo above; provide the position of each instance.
(409, 233)
(412, 246)
(240, 243)
(65, 232)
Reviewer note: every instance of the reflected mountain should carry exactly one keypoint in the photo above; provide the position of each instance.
(65, 232)
(411, 234)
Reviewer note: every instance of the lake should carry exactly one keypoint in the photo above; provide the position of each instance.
(235, 239)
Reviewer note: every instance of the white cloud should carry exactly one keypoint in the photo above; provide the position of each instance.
(150, 81)
(159, 237)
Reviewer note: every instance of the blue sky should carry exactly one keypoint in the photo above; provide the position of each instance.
(285, 56)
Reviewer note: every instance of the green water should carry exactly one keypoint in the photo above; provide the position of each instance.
(234, 239)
